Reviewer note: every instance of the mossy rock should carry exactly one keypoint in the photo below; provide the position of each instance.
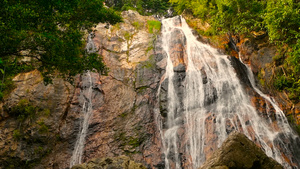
(238, 151)
(122, 162)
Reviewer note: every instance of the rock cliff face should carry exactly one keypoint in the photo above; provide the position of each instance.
(261, 57)
(127, 111)
(256, 51)
(32, 119)
(219, 106)
(122, 122)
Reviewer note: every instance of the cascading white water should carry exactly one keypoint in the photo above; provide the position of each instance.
(87, 108)
(213, 104)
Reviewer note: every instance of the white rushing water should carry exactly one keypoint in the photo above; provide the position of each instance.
(87, 109)
(212, 105)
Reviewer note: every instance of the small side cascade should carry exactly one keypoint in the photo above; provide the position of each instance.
(87, 108)
(209, 102)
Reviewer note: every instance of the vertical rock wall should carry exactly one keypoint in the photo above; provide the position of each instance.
(123, 120)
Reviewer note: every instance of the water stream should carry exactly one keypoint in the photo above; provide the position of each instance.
(209, 102)
(87, 108)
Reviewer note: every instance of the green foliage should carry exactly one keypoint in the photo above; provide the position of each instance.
(129, 143)
(51, 33)
(279, 18)
(289, 80)
(16, 134)
(293, 60)
(127, 36)
(137, 25)
(30, 120)
(24, 110)
(281, 82)
(144, 7)
(292, 121)
(46, 112)
(10, 66)
(289, 83)
(236, 16)
(43, 129)
(154, 26)
(282, 20)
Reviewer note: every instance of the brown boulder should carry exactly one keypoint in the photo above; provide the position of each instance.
(238, 151)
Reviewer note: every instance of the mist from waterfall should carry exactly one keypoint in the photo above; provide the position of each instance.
(213, 104)
(87, 108)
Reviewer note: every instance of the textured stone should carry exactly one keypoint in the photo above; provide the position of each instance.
(123, 103)
(123, 123)
(25, 141)
(121, 162)
(237, 151)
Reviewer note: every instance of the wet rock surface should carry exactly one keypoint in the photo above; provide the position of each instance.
(125, 123)
(126, 108)
(123, 119)
(237, 151)
(220, 106)
(260, 55)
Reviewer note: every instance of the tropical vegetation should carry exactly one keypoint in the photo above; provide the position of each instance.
(280, 19)
(48, 35)
(144, 7)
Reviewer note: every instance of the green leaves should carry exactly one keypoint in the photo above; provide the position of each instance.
(153, 26)
(235, 16)
(279, 18)
(51, 32)
(282, 20)
(144, 7)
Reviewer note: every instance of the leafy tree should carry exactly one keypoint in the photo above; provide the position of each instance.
(50, 31)
(282, 20)
(145, 7)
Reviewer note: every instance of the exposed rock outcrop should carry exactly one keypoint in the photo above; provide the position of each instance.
(261, 58)
(237, 151)
(121, 162)
(259, 54)
(31, 121)
(123, 120)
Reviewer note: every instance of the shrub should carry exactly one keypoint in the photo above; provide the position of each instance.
(154, 26)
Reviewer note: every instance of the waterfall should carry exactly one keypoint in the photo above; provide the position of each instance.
(87, 108)
(208, 101)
